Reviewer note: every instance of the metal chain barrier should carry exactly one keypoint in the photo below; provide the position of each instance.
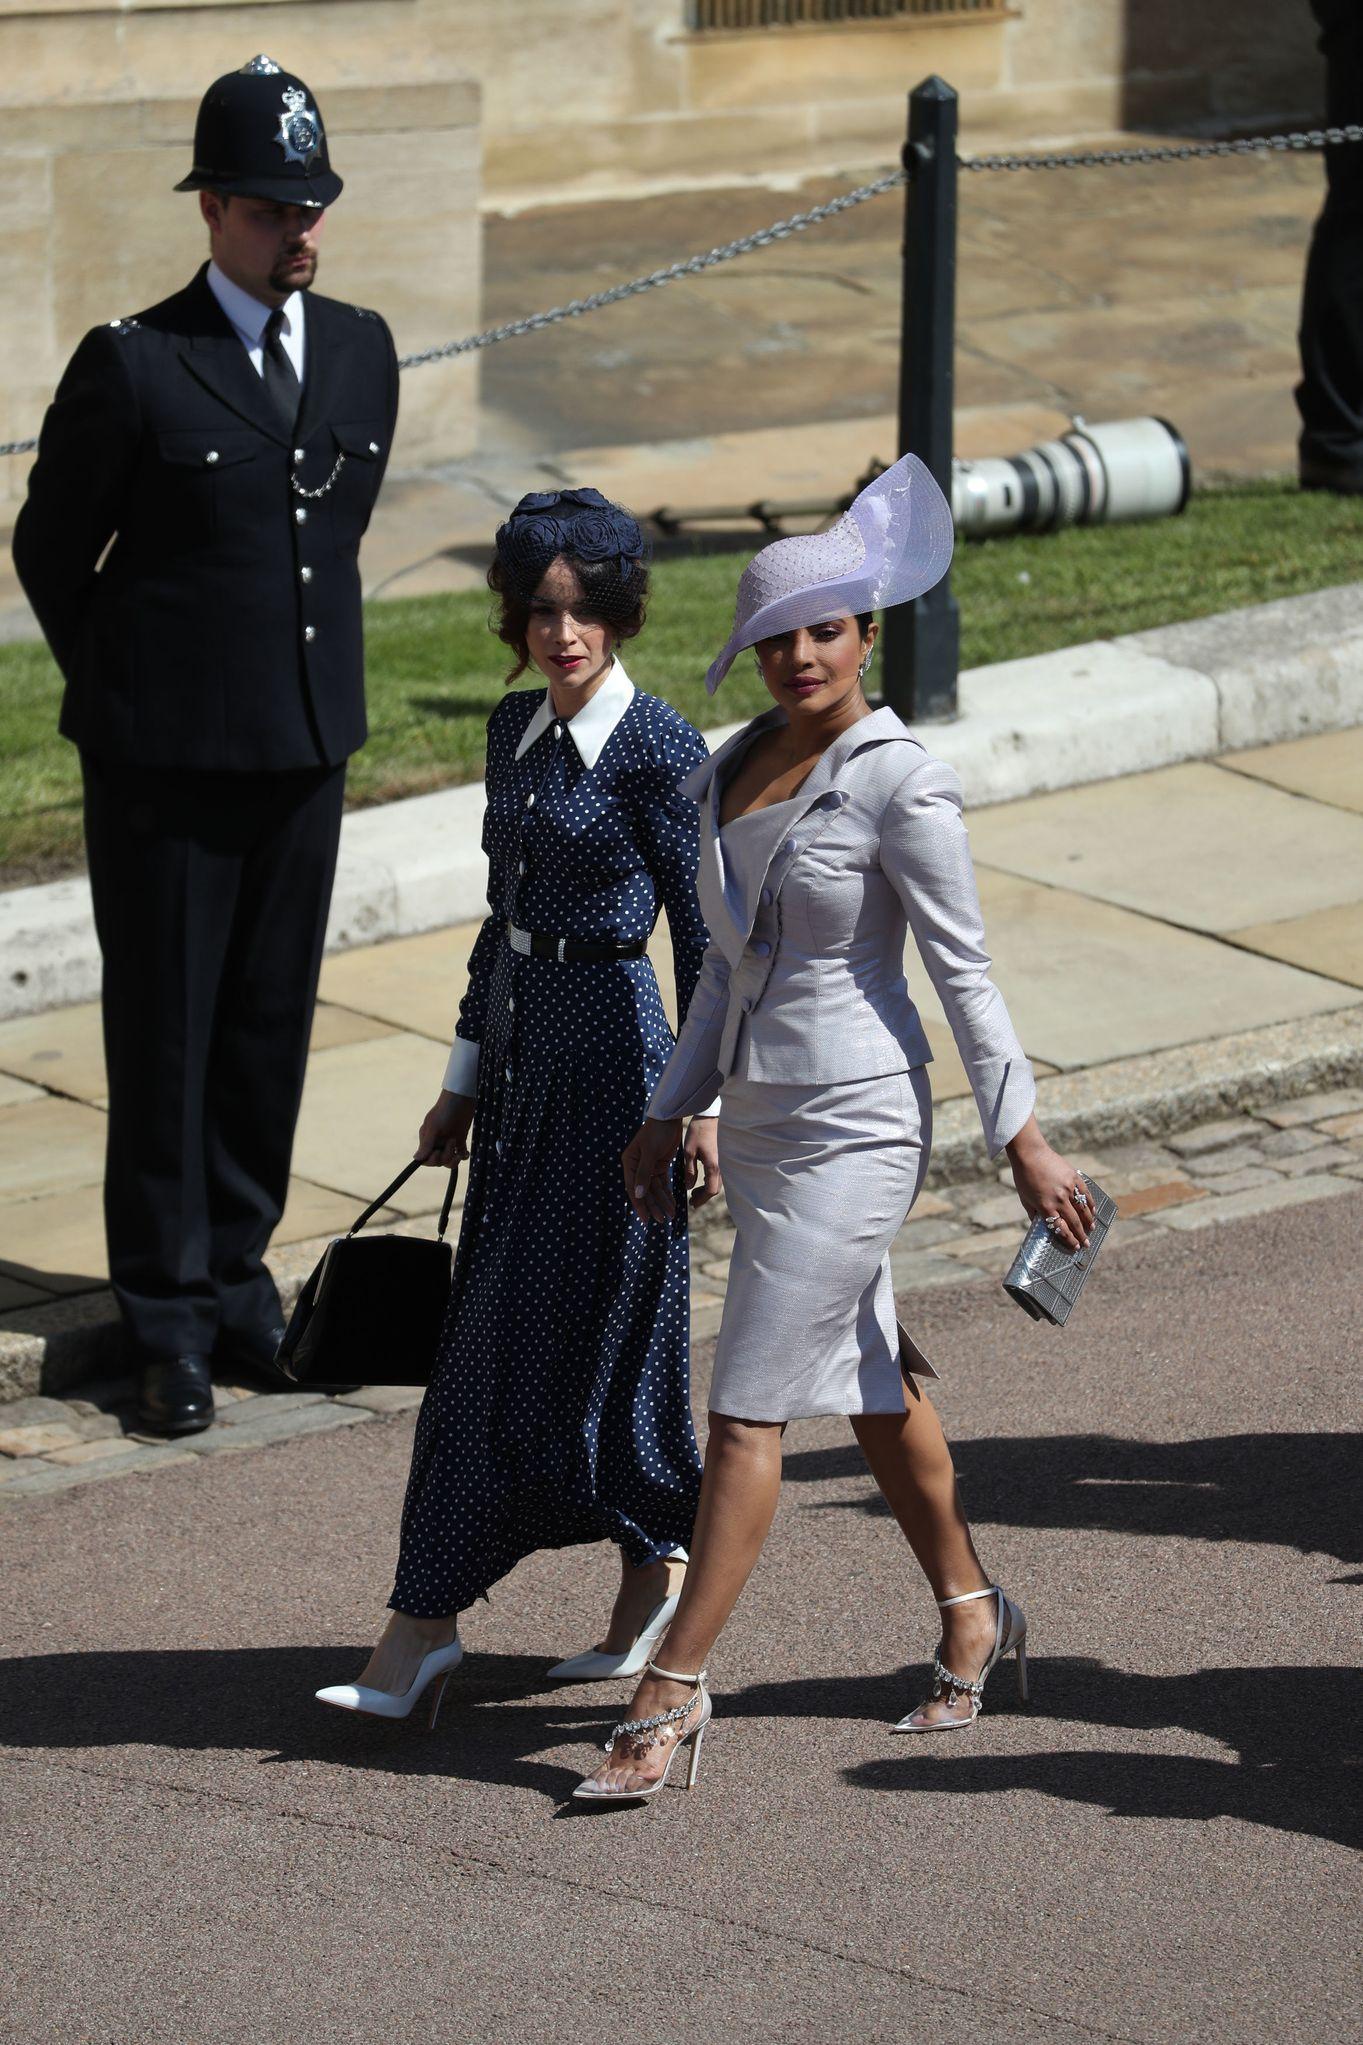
(780, 230)
(1310, 138)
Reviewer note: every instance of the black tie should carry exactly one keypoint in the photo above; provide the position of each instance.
(281, 378)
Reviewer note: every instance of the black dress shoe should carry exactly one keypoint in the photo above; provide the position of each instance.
(251, 1356)
(1344, 481)
(176, 1396)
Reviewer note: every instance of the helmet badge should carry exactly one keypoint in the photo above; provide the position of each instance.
(300, 128)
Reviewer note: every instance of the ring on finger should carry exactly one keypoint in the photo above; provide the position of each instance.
(1079, 1198)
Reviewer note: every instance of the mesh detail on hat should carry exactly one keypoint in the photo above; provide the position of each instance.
(803, 559)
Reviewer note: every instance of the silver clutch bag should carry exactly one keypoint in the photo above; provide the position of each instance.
(1046, 1278)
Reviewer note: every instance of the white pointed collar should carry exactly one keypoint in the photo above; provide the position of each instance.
(592, 725)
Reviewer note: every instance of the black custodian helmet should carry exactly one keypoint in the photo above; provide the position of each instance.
(259, 134)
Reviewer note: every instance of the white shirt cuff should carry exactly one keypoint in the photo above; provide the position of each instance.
(699, 1114)
(461, 1074)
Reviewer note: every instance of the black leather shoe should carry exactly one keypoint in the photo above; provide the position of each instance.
(1318, 475)
(176, 1396)
(239, 1355)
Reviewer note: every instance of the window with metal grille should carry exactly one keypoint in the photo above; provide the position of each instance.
(741, 14)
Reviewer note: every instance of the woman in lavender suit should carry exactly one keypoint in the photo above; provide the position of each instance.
(827, 833)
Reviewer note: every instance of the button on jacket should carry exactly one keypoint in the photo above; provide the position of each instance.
(809, 903)
(222, 630)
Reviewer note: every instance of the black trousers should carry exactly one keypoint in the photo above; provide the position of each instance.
(211, 894)
(1330, 394)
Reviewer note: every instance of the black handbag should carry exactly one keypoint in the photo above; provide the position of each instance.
(371, 1312)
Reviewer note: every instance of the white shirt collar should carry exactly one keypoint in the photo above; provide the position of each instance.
(592, 725)
(248, 316)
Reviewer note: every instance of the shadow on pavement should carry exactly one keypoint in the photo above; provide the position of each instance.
(1284, 1776)
(1302, 1491)
(258, 1700)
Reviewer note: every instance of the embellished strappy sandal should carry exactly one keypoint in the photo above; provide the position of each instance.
(1010, 1637)
(646, 1733)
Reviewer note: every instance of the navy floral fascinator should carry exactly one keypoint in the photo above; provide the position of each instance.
(580, 524)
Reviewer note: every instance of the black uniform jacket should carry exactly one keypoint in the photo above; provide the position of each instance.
(222, 628)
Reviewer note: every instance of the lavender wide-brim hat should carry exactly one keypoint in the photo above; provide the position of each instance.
(894, 542)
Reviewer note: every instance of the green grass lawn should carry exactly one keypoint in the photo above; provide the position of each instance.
(435, 670)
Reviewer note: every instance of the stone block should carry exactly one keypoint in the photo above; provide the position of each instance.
(1212, 1136)
(1082, 714)
(57, 1240)
(1240, 1181)
(1326, 768)
(1326, 1158)
(1192, 844)
(991, 1246)
(1237, 1157)
(919, 1270)
(94, 1451)
(36, 1411)
(1258, 1200)
(1292, 667)
(1280, 1143)
(1154, 1199)
(384, 1398)
(37, 1440)
(244, 1412)
(932, 1233)
(262, 1429)
(1000, 1210)
(1340, 1127)
(1318, 1107)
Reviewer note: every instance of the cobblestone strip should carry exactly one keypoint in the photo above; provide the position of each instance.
(1219, 1171)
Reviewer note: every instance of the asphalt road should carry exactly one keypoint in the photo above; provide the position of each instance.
(1158, 1850)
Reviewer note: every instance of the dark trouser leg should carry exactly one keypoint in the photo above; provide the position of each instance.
(1330, 394)
(164, 877)
(264, 1020)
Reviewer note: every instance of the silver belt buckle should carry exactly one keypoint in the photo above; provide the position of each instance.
(519, 940)
(562, 950)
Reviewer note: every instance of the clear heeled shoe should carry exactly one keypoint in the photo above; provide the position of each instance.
(1010, 1637)
(597, 1668)
(647, 1733)
(435, 1668)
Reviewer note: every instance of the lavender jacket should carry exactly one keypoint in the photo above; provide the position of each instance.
(809, 904)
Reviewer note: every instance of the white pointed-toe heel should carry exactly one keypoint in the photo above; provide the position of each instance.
(646, 1733)
(435, 1669)
(1010, 1637)
(597, 1668)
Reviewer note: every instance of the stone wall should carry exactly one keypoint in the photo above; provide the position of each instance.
(98, 127)
(586, 95)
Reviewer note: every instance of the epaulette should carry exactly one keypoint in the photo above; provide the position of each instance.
(124, 326)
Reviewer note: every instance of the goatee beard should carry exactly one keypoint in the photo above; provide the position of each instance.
(281, 280)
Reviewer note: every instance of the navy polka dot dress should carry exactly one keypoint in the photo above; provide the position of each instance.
(559, 1410)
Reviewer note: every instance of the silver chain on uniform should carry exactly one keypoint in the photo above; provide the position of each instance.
(780, 230)
(322, 488)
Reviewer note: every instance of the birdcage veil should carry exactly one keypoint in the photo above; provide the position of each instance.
(602, 542)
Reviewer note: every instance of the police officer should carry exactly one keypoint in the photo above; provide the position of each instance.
(189, 544)
(1330, 394)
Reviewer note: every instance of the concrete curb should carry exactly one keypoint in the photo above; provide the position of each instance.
(1122, 706)
(72, 1340)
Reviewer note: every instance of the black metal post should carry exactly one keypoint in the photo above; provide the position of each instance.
(922, 642)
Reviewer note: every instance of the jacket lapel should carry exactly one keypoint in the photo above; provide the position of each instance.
(214, 356)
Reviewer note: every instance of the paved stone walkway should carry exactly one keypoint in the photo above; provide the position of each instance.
(1226, 1170)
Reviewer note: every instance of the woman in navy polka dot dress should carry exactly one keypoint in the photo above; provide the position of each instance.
(559, 1410)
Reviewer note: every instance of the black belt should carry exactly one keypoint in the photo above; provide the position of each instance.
(538, 944)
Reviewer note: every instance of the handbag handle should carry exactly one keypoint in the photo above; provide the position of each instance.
(401, 1180)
